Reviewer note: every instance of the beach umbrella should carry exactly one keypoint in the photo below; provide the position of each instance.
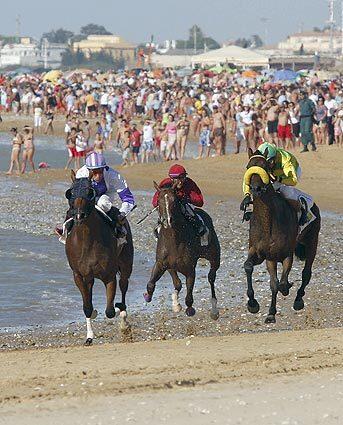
(249, 73)
(285, 75)
(52, 76)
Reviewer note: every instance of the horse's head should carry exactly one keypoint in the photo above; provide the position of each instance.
(81, 197)
(257, 176)
(169, 205)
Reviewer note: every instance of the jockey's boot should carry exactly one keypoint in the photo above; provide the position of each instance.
(313, 145)
(305, 149)
(304, 212)
(68, 225)
(113, 214)
(198, 224)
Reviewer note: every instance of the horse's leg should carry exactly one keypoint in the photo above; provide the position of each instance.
(272, 269)
(111, 287)
(156, 274)
(212, 278)
(284, 285)
(123, 284)
(177, 288)
(86, 287)
(311, 250)
(253, 305)
(190, 279)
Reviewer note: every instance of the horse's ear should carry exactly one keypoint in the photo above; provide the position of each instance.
(250, 153)
(72, 176)
(90, 176)
(266, 153)
(157, 187)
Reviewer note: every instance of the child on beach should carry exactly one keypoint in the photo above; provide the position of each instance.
(98, 146)
(204, 142)
(80, 146)
(38, 112)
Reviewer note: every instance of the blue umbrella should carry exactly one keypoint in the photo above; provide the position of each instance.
(285, 75)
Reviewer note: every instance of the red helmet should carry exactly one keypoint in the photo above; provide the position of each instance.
(176, 171)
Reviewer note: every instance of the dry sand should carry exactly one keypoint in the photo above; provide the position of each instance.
(271, 378)
(164, 381)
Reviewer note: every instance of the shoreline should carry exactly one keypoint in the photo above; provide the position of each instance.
(221, 177)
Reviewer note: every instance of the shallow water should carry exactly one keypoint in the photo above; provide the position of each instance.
(52, 150)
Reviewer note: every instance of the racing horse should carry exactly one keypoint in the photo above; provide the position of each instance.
(179, 249)
(93, 253)
(274, 236)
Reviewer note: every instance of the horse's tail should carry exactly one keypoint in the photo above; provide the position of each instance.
(300, 251)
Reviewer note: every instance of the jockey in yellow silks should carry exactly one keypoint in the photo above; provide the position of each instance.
(286, 173)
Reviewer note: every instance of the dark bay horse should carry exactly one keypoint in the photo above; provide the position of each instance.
(93, 253)
(274, 237)
(179, 249)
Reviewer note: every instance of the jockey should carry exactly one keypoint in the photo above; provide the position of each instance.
(188, 192)
(285, 174)
(108, 184)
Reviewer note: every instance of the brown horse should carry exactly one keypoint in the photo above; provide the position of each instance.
(273, 237)
(179, 249)
(93, 253)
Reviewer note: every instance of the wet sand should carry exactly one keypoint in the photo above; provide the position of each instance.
(171, 353)
(322, 173)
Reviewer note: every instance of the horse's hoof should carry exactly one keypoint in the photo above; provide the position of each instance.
(177, 308)
(270, 319)
(214, 315)
(284, 290)
(88, 342)
(110, 313)
(298, 304)
(190, 311)
(94, 314)
(147, 297)
(253, 306)
(121, 306)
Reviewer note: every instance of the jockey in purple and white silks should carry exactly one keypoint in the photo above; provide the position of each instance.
(108, 184)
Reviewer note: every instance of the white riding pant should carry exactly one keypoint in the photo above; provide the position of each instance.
(291, 193)
(105, 203)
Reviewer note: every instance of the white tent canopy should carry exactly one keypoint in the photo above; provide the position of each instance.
(232, 54)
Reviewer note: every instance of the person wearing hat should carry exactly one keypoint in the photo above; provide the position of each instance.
(108, 184)
(187, 191)
(285, 173)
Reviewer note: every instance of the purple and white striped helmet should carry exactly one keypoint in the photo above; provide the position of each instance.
(95, 160)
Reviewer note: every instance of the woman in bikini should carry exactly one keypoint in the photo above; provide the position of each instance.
(182, 134)
(17, 141)
(29, 149)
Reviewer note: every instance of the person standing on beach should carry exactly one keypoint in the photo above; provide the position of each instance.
(29, 149)
(218, 129)
(307, 111)
(17, 141)
(71, 146)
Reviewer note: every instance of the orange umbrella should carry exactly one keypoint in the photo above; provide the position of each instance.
(249, 74)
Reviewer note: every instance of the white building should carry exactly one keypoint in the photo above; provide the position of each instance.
(29, 53)
(312, 41)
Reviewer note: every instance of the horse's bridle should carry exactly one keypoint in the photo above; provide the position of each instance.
(165, 221)
(80, 214)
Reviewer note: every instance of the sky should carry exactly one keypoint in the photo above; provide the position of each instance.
(137, 20)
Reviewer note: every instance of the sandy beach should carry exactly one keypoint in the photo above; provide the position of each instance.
(236, 370)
